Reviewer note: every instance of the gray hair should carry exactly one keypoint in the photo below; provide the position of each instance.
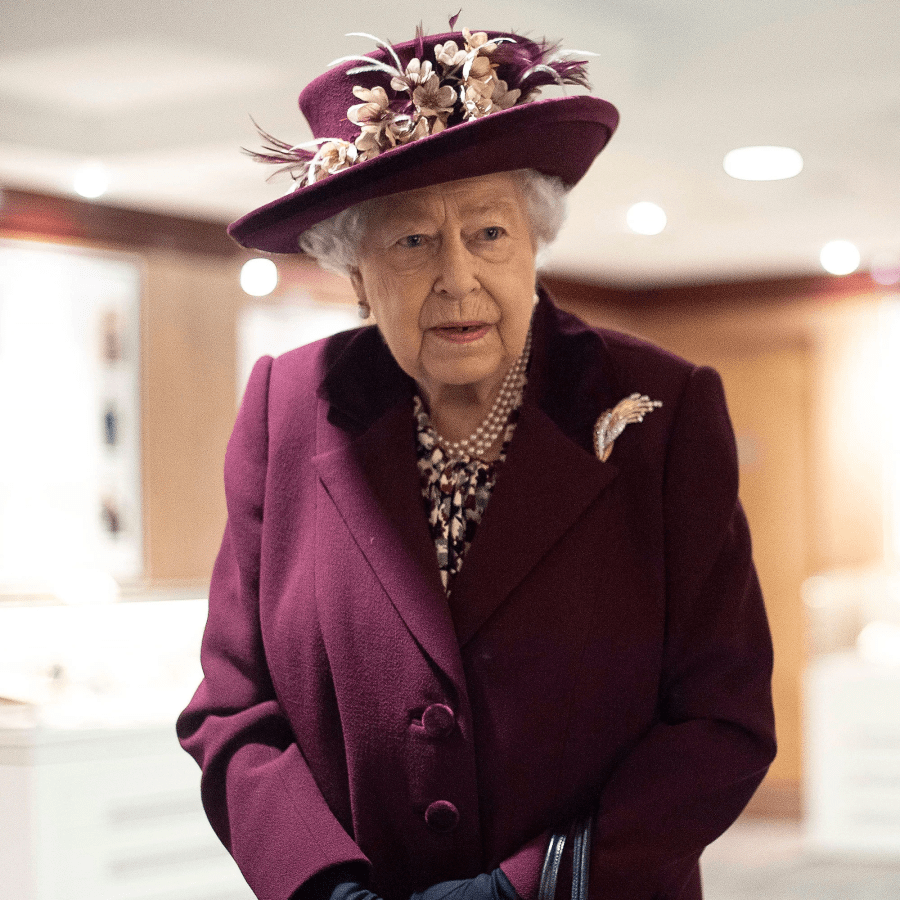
(335, 243)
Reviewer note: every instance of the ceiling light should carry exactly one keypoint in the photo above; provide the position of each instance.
(91, 180)
(763, 163)
(840, 257)
(259, 277)
(646, 218)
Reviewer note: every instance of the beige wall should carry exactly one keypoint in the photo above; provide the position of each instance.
(190, 307)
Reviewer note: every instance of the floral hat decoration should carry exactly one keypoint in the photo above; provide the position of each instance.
(434, 109)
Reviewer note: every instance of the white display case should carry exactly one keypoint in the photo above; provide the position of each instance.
(852, 714)
(106, 814)
(97, 799)
(853, 756)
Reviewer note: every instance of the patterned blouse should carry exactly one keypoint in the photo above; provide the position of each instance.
(455, 491)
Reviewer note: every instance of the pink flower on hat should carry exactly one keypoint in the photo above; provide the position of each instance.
(374, 109)
(434, 100)
(417, 72)
(449, 55)
(331, 157)
(407, 128)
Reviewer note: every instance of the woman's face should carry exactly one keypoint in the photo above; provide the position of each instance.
(448, 272)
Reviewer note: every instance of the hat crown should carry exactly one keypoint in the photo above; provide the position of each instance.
(325, 101)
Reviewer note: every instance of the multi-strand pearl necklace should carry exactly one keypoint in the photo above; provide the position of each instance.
(508, 398)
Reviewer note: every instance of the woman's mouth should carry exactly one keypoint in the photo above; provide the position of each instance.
(462, 332)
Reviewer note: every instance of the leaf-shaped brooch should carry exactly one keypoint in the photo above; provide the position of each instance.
(612, 422)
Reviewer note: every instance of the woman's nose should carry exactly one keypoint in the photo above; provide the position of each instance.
(455, 270)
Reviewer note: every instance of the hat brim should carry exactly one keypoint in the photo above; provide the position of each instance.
(559, 136)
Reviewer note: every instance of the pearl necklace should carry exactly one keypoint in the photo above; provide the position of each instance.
(508, 398)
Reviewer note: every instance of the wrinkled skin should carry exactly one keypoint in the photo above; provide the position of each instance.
(449, 274)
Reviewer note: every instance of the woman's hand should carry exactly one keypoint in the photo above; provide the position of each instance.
(493, 886)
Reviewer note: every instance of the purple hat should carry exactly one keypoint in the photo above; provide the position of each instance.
(435, 109)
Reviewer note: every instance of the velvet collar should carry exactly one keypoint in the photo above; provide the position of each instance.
(570, 377)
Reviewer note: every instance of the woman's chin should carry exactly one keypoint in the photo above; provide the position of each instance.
(472, 372)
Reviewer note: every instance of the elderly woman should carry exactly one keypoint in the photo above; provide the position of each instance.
(485, 572)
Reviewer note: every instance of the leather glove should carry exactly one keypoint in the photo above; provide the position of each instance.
(334, 884)
(495, 886)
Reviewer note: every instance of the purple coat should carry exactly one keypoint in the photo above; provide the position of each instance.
(605, 644)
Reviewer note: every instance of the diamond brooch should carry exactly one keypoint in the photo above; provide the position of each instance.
(612, 422)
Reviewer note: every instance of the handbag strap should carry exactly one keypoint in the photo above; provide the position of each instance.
(550, 870)
(581, 860)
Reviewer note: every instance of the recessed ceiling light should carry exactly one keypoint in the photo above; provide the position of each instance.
(91, 180)
(646, 218)
(840, 257)
(259, 277)
(763, 163)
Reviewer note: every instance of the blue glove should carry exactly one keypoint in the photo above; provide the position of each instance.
(495, 886)
(333, 884)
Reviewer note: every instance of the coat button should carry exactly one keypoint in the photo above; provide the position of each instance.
(442, 816)
(438, 720)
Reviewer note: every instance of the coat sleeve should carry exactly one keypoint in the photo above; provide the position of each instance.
(257, 789)
(690, 775)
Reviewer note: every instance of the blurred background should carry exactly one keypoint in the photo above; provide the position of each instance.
(129, 321)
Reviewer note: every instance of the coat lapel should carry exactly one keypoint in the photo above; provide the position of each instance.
(546, 483)
(550, 476)
(372, 478)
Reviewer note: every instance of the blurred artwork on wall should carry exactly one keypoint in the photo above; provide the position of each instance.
(70, 500)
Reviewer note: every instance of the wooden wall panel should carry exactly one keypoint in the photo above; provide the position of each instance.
(768, 396)
(190, 309)
(849, 408)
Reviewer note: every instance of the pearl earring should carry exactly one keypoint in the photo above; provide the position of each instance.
(364, 309)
